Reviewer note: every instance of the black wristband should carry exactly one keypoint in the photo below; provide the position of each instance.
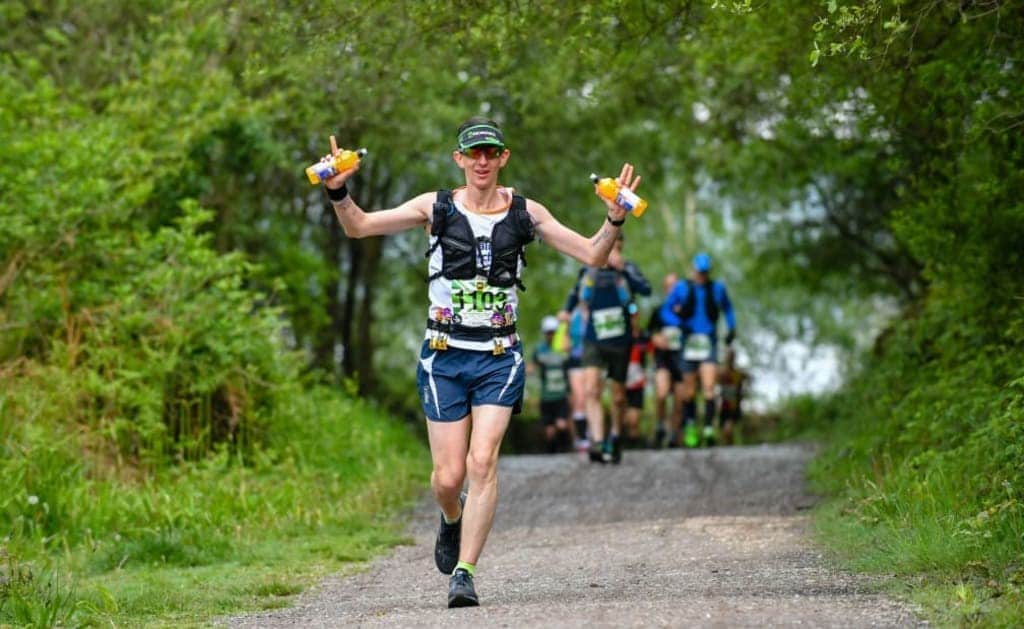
(337, 195)
(617, 223)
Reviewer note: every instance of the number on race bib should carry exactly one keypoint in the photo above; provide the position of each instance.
(698, 348)
(673, 338)
(477, 299)
(608, 323)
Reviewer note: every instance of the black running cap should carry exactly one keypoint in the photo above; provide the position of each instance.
(481, 135)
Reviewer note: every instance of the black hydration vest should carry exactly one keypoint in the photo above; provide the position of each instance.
(690, 305)
(459, 246)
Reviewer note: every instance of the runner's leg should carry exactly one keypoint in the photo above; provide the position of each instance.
(448, 448)
(708, 375)
(489, 425)
(662, 387)
(593, 378)
(618, 407)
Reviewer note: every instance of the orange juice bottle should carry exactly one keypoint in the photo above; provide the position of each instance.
(611, 190)
(327, 168)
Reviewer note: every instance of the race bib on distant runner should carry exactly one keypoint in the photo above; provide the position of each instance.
(608, 323)
(673, 338)
(474, 301)
(554, 382)
(698, 348)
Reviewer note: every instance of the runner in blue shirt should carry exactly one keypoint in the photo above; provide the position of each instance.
(698, 302)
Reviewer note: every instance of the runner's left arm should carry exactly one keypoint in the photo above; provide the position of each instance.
(591, 251)
(638, 284)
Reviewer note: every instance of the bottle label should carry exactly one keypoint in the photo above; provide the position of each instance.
(324, 170)
(627, 199)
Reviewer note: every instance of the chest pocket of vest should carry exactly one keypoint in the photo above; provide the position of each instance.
(506, 251)
(459, 256)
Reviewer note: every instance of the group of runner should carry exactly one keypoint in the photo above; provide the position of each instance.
(599, 337)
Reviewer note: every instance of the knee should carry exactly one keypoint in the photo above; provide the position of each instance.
(481, 465)
(449, 478)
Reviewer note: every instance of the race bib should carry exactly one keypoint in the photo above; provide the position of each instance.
(554, 381)
(673, 338)
(608, 323)
(474, 301)
(698, 348)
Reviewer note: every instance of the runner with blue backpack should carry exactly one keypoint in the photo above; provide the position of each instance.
(699, 302)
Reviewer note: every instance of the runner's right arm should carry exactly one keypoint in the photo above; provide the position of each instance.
(359, 224)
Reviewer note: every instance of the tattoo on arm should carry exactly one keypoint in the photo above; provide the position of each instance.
(340, 207)
(603, 235)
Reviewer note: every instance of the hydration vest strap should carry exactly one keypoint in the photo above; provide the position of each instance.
(711, 306)
(439, 219)
(467, 333)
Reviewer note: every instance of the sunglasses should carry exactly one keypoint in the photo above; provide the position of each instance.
(489, 151)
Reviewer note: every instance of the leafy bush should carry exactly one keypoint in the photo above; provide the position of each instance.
(926, 454)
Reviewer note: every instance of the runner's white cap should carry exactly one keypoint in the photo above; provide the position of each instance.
(549, 324)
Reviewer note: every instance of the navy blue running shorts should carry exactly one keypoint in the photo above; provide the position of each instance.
(452, 381)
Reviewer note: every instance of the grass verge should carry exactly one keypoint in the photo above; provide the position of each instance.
(186, 544)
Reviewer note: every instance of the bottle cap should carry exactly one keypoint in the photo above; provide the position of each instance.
(594, 177)
(361, 152)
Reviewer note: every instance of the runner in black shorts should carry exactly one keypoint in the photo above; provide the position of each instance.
(470, 373)
(636, 380)
(554, 380)
(606, 293)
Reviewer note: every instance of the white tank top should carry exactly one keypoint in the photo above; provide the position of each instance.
(472, 302)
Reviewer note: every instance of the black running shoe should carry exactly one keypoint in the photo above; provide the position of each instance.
(607, 451)
(596, 455)
(616, 450)
(461, 592)
(446, 548)
(660, 439)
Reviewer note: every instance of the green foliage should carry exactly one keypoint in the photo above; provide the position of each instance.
(926, 458)
(30, 597)
(172, 291)
(328, 472)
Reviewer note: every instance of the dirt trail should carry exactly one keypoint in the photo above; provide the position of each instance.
(704, 538)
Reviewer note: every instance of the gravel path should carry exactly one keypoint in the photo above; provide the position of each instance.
(694, 538)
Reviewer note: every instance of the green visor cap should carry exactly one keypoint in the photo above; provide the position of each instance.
(480, 135)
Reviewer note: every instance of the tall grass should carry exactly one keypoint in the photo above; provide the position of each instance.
(321, 489)
(925, 463)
